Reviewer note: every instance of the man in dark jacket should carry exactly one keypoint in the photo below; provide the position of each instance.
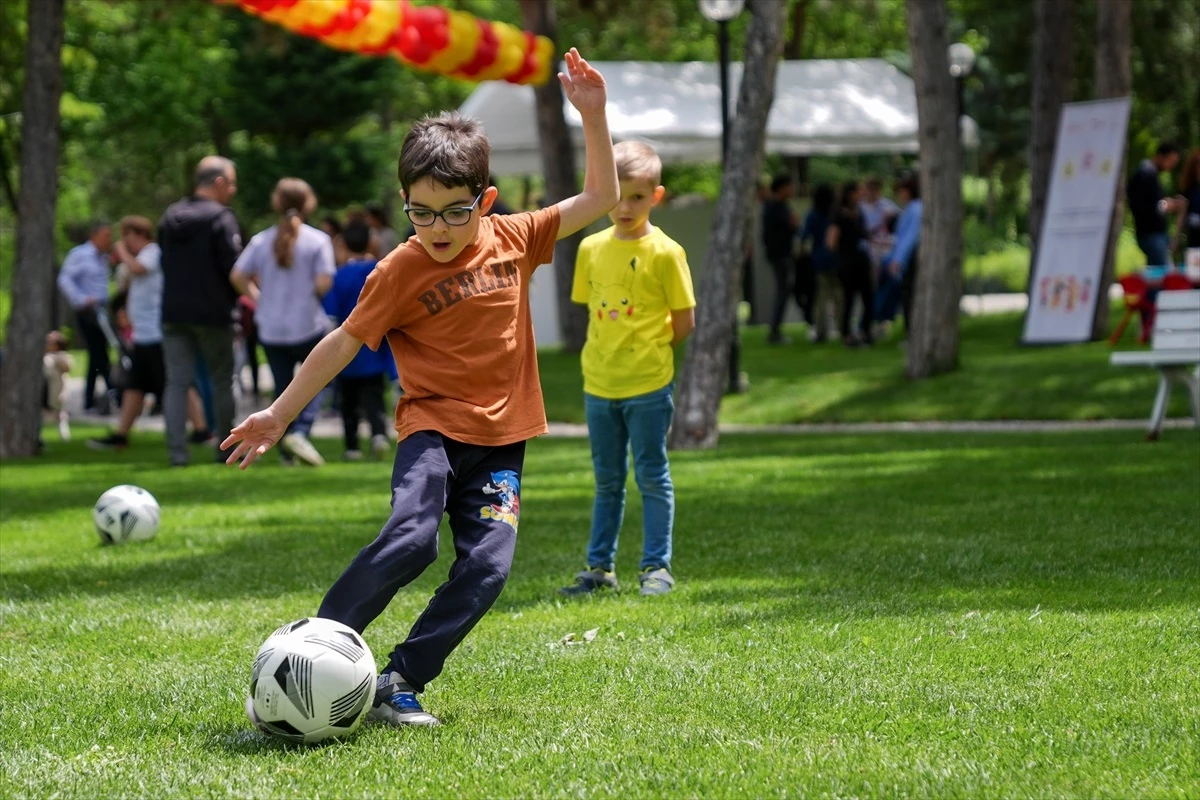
(200, 240)
(1150, 208)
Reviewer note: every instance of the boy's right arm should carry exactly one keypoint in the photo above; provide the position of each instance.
(585, 89)
(258, 432)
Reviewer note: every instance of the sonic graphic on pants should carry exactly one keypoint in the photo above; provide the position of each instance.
(506, 486)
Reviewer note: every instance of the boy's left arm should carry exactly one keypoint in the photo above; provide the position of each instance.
(584, 87)
(680, 296)
(683, 322)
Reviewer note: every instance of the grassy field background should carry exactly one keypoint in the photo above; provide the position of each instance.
(857, 616)
(998, 380)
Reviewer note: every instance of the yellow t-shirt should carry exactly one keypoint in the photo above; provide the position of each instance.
(630, 287)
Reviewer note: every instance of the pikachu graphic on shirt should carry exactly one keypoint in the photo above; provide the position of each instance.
(613, 306)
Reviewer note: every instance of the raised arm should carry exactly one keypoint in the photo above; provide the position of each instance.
(584, 87)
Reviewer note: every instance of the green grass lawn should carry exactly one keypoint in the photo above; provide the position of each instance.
(999, 380)
(857, 616)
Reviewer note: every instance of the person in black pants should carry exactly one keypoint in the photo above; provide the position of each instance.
(847, 237)
(779, 226)
(361, 383)
(83, 280)
(362, 398)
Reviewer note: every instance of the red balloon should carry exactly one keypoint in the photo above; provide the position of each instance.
(485, 50)
(529, 65)
(433, 23)
(411, 46)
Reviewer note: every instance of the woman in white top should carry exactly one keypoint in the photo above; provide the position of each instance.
(291, 266)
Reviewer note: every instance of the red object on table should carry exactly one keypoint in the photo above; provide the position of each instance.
(1136, 301)
(1176, 281)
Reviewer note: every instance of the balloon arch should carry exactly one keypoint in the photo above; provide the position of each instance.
(431, 38)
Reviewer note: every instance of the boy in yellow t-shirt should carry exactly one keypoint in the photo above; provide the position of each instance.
(638, 290)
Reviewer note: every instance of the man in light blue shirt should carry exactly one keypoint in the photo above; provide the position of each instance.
(83, 280)
(898, 273)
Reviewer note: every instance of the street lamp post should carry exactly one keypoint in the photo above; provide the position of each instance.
(962, 61)
(721, 12)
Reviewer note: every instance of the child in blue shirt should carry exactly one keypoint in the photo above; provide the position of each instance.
(361, 383)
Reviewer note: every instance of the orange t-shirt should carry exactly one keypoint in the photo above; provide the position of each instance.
(461, 332)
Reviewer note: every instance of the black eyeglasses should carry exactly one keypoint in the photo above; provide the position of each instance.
(424, 217)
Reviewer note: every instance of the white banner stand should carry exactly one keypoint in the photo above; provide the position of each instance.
(1075, 226)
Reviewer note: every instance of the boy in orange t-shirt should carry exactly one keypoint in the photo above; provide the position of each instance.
(453, 304)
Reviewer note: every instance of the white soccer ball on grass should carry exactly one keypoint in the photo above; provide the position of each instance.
(126, 513)
(312, 680)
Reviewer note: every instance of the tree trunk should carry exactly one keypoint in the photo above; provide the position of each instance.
(933, 336)
(1053, 56)
(795, 42)
(558, 165)
(706, 366)
(1112, 77)
(797, 166)
(20, 374)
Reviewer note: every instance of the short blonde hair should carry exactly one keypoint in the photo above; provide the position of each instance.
(637, 160)
(135, 224)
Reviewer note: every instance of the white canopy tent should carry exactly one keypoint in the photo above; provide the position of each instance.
(821, 107)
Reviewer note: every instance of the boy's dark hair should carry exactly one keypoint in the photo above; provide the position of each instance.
(873, 182)
(449, 148)
(357, 236)
(781, 180)
(1167, 148)
(822, 200)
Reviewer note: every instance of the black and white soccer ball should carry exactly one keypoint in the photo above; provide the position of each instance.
(126, 513)
(312, 680)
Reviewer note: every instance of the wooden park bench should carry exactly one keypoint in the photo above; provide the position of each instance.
(1174, 352)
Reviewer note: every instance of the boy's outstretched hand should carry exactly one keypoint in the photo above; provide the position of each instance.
(583, 84)
(255, 436)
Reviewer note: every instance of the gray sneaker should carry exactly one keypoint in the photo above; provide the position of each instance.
(380, 446)
(591, 580)
(656, 580)
(396, 704)
(300, 448)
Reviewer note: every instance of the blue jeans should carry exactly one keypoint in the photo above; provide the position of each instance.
(887, 296)
(283, 358)
(1155, 246)
(613, 426)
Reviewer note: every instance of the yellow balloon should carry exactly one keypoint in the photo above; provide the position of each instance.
(460, 44)
(313, 13)
(544, 52)
(509, 56)
(381, 23)
(372, 31)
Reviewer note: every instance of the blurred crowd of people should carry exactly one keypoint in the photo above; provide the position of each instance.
(193, 305)
(850, 265)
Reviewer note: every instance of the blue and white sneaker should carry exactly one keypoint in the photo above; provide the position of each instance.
(396, 703)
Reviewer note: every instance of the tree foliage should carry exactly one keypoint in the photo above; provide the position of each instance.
(151, 85)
